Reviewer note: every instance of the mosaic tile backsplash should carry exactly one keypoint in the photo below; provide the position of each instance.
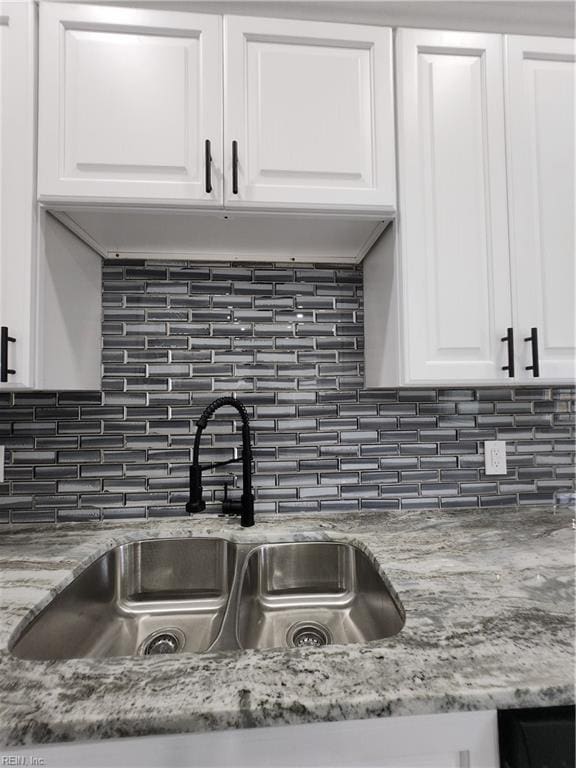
(288, 341)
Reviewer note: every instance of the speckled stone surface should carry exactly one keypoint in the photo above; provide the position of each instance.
(489, 603)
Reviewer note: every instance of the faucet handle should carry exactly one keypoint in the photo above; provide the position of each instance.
(230, 507)
(196, 504)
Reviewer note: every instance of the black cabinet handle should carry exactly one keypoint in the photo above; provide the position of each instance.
(208, 165)
(535, 367)
(509, 338)
(234, 167)
(5, 339)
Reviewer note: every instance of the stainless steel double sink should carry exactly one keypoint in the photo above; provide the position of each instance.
(208, 594)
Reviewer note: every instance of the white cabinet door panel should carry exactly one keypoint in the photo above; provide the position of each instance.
(311, 108)
(17, 233)
(453, 206)
(127, 100)
(50, 283)
(540, 102)
(452, 740)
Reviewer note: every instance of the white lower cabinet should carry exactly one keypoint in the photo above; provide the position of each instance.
(485, 236)
(50, 282)
(459, 740)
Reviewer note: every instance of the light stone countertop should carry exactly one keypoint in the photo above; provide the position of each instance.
(489, 600)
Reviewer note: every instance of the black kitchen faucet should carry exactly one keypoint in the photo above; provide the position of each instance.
(246, 504)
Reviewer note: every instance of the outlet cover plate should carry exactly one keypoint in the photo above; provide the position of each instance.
(495, 457)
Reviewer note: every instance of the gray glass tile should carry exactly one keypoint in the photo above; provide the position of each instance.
(420, 449)
(459, 502)
(399, 489)
(173, 341)
(421, 502)
(379, 505)
(33, 516)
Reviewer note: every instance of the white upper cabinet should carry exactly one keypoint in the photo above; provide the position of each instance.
(475, 285)
(50, 282)
(541, 86)
(309, 115)
(17, 203)
(134, 105)
(128, 101)
(453, 225)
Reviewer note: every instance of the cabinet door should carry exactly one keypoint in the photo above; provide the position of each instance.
(310, 106)
(540, 107)
(453, 207)
(452, 740)
(128, 99)
(17, 232)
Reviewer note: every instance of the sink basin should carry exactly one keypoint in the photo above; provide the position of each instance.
(198, 594)
(155, 596)
(310, 594)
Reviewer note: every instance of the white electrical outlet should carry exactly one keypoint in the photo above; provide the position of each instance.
(495, 457)
(1, 463)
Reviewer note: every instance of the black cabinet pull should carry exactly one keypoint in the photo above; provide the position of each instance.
(234, 167)
(5, 339)
(208, 165)
(509, 338)
(535, 367)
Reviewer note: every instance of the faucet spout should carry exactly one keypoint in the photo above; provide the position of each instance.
(196, 503)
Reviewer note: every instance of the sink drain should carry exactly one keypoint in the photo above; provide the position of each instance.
(163, 641)
(308, 634)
